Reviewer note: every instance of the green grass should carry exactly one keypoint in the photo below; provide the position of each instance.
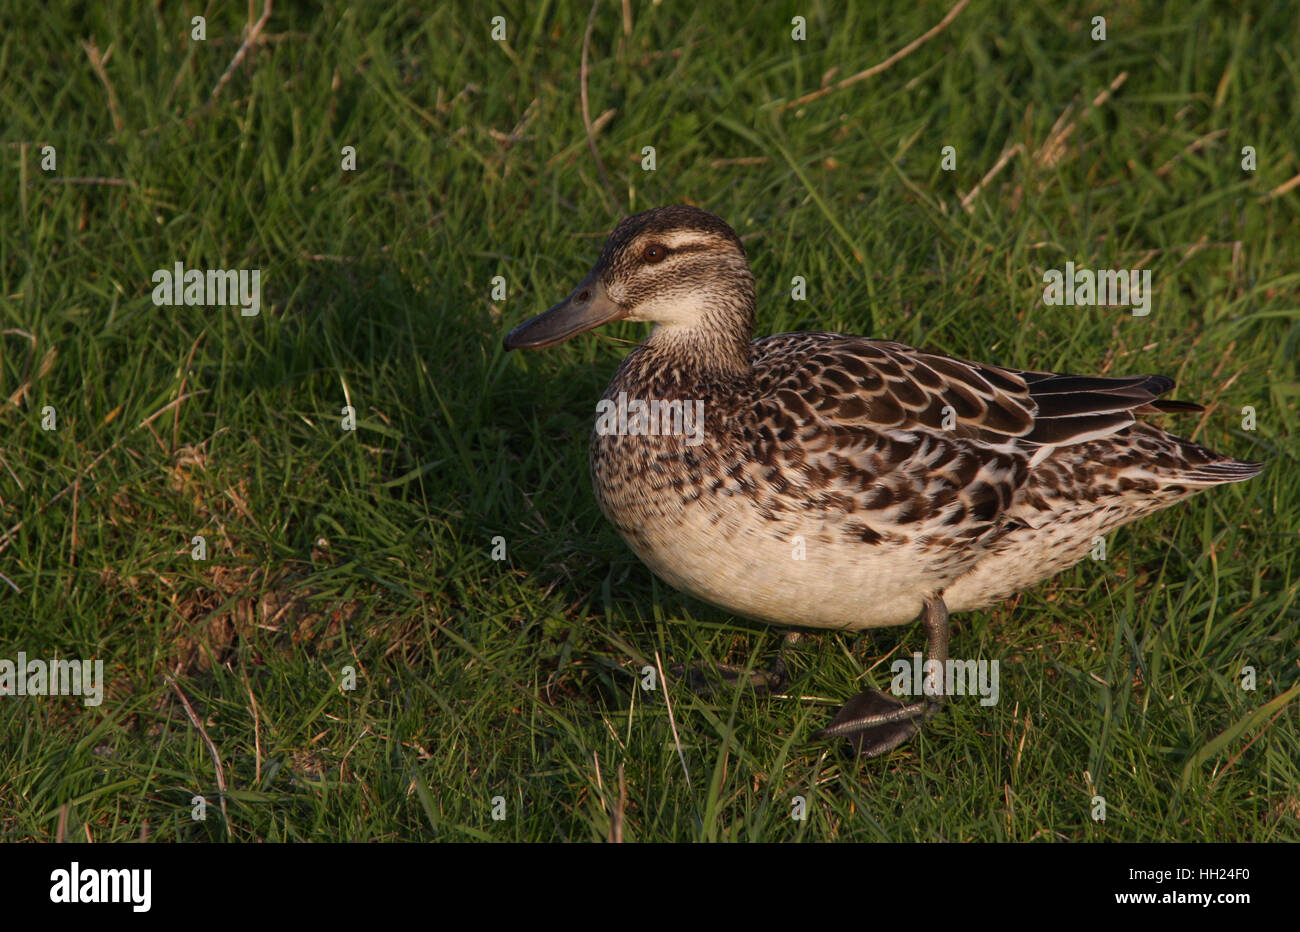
(478, 678)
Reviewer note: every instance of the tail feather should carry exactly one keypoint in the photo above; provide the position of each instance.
(1169, 406)
(1225, 471)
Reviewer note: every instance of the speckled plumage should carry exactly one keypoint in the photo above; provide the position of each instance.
(898, 475)
(839, 440)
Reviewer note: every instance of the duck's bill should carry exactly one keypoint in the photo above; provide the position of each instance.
(586, 308)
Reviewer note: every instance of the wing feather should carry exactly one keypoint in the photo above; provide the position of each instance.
(854, 381)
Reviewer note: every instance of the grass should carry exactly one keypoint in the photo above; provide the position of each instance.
(372, 549)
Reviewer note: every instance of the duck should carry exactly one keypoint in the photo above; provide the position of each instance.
(819, 480)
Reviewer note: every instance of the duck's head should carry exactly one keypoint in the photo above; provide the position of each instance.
(678, 267)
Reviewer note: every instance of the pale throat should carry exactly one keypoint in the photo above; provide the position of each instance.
(716, 338)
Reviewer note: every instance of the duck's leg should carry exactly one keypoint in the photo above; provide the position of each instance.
(701, 678)
(876, 722)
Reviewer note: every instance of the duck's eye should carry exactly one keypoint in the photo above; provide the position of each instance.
(655, 253)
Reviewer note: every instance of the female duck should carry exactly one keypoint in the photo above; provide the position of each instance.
(842, 482)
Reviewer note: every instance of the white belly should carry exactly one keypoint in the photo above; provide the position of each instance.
(740, 564)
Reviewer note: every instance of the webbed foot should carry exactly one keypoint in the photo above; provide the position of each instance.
(876, 722)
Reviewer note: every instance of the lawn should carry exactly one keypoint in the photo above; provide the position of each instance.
(411, 621)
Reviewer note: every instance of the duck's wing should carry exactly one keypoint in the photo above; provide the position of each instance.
(888, 385)
(923, 443)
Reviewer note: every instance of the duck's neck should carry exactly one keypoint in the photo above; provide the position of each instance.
(714, 344)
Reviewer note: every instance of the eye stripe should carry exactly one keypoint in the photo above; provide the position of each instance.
(673, 244)
(692, 247)
(684, 241)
